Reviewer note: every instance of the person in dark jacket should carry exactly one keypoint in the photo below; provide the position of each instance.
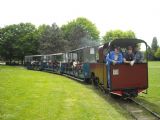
(129, 56)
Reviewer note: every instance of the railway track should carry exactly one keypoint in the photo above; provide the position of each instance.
(155, 116)
(137, 110)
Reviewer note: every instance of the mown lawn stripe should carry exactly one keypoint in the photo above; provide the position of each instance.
(34, 95)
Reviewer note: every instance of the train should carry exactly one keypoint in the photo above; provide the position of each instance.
(89, 65)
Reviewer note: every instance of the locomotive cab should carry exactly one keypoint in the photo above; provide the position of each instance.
(120, 79)
(127, 80)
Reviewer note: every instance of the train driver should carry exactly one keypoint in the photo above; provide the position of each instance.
(113, 57)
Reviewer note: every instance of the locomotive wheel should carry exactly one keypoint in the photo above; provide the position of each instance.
(94, 80)
(88, 81)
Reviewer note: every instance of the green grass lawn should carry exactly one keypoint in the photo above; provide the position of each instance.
(33, 95)
(152, 99)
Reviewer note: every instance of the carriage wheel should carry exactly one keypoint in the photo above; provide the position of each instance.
(94, 80)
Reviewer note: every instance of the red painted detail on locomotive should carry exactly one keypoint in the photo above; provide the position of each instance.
(126, 76)
(120, 92)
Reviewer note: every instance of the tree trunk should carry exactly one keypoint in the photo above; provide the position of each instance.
(10, 61)
(22, 61)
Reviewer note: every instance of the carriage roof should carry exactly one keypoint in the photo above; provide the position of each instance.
(54, 54)
(33, 55)
(123, 42)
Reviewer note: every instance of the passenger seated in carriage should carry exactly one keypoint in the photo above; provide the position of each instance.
(74, 64)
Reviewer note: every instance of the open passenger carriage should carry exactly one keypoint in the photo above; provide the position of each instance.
(33, 62)
(52, 62)
(77, 60)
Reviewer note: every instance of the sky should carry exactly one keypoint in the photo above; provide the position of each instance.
(140, 16)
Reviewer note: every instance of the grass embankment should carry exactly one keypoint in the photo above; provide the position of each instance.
(33, 95)
(152, 99)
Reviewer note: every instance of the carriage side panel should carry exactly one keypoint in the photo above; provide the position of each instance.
(128, 77)
(99, 70)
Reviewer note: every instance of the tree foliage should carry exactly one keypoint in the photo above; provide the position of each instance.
(157, 53)
(51, 39)
(18, 40)
(78, 31)
(7, 42)
(89, 27)
(154, 45)
(149, 54)
(153, 49)
(114, 34)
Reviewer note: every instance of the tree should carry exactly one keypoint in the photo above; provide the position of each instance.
(129, 34)
(76, 35)
(148, 53)
(27, 40)
(89, 27)
(17, 41)
(157, 53)
(114, 34)
(80, 31)
(154, 45)
(8, 42)
(51, 40)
